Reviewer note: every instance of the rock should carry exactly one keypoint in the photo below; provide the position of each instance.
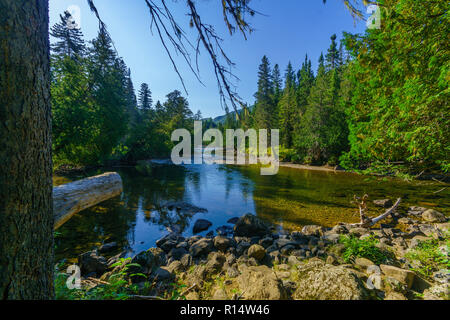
(215, 262)
(177, 253)
(287, 249)
(222, 243)
(320, 281)
(116, 258)
(232, 272)
(184, 208)
(256, 251)
(359, 231)
(299, 237)
(363, 263)
(192, 296)
(384, 203)
(420, 284)
(250, 225)
(148, 261)
(443, 227)
(201, 247)
(233, 220)
(292, 260)
(162, 274)
(442, 276)
(283, 274)
(91, 262)
(186, 260)
(242, 247)
(392, 284)
(175, 267)
(339, 229)
(219, 294)
(331, 260)
(312, 230)
(331, 237)
(395, 296)
(438, 292)
(260, 283)
(405, 221)
(432, 215)
(107, 247)
(169, 242)
(266, 242)
(404, 276)
(201, 225)
(224, 230)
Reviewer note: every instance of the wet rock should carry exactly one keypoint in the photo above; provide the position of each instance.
(404, 276)
(384, 203)
(320, 281)
(432, 215)
(107, 247)
(201, 247)
(233, 220)
(266, 242)
(169, 242)
(260, 283)
(201, 225)
(256, 251)
(184, 208)
(250, 225)
(91, 262)
(148, 261)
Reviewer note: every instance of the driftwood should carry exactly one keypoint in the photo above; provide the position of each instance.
(365, 220)
(68, 199)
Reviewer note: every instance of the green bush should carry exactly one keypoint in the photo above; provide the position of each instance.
(364, 248)
(429, 257)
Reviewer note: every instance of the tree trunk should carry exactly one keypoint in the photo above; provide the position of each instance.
(26, 217)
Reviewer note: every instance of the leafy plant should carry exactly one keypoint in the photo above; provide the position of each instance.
(364, 248)
(429, 257)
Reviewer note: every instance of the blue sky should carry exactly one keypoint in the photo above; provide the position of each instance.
(288, 30)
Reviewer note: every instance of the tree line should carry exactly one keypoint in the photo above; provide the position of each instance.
(377, 102)
(97, 116)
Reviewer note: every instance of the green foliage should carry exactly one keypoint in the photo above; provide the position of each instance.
(400, 73)
(364, 248)
(429, 257)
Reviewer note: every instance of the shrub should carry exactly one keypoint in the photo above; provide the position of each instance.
(364, 248)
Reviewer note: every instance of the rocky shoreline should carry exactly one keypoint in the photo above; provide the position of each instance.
(251, 262)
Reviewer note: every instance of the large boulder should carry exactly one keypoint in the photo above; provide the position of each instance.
(256, 251)
(91, 262)
(320, 281)
(148, 261)
(222, 243)
(432, 215)
(260, 283)
(404, 276)
(250, 225)
(201, 225)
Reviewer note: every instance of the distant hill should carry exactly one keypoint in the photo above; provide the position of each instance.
(221, 119)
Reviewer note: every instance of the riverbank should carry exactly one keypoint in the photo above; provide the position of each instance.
(404, 258)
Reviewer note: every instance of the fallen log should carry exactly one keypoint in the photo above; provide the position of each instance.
(70, 198)
(367, 222)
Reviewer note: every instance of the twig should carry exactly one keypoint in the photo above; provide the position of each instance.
(440, 190)
(370, 222)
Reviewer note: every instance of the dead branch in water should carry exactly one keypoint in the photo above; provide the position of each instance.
(367, 222)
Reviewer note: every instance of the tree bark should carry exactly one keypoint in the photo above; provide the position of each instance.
(74, 197)
(26, 206)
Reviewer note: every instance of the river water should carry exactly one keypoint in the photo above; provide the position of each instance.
(289, 200)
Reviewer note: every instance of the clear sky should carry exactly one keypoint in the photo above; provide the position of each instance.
(287, 31)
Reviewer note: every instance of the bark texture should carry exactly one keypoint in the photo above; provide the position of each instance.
(71, 198)
(26, 215)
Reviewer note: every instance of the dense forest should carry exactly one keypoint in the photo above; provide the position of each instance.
(377, 101)
(97, 117)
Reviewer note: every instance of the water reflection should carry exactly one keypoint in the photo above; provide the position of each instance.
(291, 199)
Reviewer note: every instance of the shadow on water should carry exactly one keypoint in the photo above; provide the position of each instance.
(290, 200)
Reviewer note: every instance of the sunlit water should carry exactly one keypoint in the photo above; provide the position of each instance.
(289, 200)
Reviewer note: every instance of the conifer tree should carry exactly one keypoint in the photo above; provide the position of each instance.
(69, 38)
(264, 105)
(145, 98)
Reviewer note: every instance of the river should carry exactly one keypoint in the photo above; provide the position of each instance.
(289, 200)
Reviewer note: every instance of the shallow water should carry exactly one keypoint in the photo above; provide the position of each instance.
(289, 200)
